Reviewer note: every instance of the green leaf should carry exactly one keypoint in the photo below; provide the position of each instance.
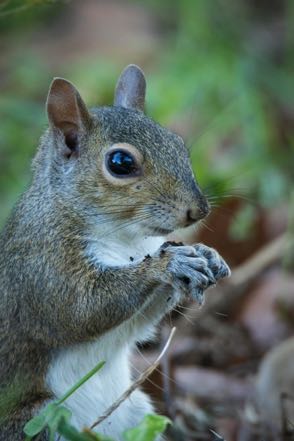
(72, 434)
(148, 429)
(35, 425)
(53, 414)
(49, 417)
(60, 413)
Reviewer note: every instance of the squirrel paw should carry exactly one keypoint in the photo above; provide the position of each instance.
(216, 263)
(193, 269)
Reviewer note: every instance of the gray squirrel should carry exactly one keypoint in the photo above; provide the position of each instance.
(85, 268)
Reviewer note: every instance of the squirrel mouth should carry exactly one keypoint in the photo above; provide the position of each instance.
(163, 231)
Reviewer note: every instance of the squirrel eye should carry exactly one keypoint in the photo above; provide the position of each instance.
(121, 163)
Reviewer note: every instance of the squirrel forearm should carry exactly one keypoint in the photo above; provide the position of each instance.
(121, 292)
(95, 300)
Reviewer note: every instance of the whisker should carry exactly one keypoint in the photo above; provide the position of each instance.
(231, 192)
(184, 315)
(202, 222)
(124, 225)
(187, 308)
(156, 188)
(225, 210)
(139, 211)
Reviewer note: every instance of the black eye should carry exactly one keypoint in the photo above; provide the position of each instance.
(121, 163)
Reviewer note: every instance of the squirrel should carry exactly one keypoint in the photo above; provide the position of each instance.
(86, 271)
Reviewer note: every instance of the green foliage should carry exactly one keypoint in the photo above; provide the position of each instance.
(216, 80)
(72, 434)
(54, 414)
(18, 14)
(22, 113)
(150, 427)
(49, 419)
(55, 418)
(241, 227)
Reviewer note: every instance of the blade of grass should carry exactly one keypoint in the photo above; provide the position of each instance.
(81, 382)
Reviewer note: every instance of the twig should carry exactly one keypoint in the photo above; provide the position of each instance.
(165, 366)
(258, 262)
(233, 289)
(136, 383)
(216, 435)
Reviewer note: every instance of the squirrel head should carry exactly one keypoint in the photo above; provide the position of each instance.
(116, 163)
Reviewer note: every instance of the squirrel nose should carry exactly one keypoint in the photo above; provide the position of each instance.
(192, 216)
(197, 213)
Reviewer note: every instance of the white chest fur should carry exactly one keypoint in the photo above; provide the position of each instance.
(69, 365)
(93, 398)
(120, 249)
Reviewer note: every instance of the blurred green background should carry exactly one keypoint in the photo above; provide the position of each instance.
(219, 72)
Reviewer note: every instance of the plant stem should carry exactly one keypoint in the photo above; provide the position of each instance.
(81, 382)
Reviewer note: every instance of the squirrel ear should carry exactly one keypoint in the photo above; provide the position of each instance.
(67, 111)
(130, 88)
